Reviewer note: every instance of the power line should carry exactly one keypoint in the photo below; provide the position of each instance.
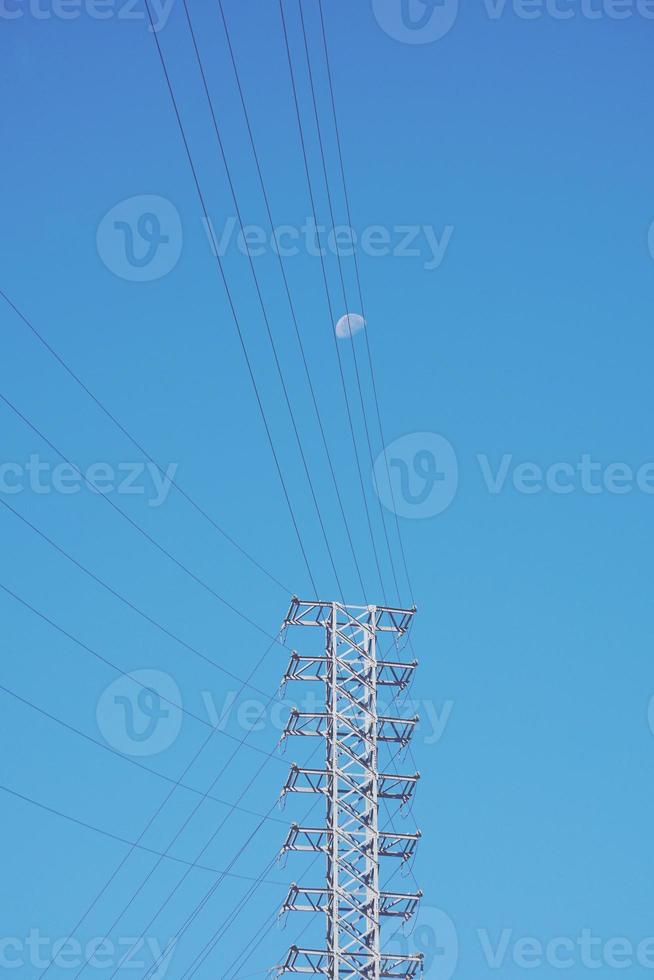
(228, 293)
(229, 296)
(231, 918)
(154, 816)
(328, 297)
(226, 924)
(121, 755)
(250, 948)
(137, 444)
(287, 290)
(211, 944)
(261, 934)
(188, 871)
(343, 289)
(124, 673)
(122, 840)
(128, 602)
(171, 92)
(202, 852)
(262, 305)
(360, 293)
(137, 526)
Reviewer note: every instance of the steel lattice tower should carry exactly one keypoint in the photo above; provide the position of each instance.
(353, 785)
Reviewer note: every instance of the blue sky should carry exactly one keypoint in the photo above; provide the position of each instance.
(511, 157)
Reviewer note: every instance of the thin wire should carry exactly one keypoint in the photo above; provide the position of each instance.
(230, 298)
(128, 602)
(217, 936)
(126, 758)
(186, 822)
(149, 823)
(199, 856)
(288, 295)
(122, 840)
(360, 293)
(262, 932)
(231, 918)
(138, 445)
(259, 880)
(206, 898)
(344, 291)
(137, 526)
(262, 305)
(329, 303)
(188, 870)
(123, 673)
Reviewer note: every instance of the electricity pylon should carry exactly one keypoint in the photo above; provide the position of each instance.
(353, 784)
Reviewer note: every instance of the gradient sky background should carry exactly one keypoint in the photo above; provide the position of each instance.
(532, 139)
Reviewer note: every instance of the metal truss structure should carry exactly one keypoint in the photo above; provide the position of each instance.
(352, 672)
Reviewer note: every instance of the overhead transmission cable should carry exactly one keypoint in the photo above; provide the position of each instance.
(287, 291)
(360, 293)
(164, 551)
(179, 832)
(230, 300)
(262, 932)
(121, 755)
(124, 673)
(208, 895)
(171, 92)
(261, 302)
(288, 294)
(173, 482)
(329, 304)
(128, 602)
(158, 811)
(280, 261)
(213, 941)
(259, 880)
(344, 290)
(173, 841)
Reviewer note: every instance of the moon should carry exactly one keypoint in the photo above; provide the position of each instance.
(349, 324)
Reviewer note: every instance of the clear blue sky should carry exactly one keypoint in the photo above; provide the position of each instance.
(524, 147)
